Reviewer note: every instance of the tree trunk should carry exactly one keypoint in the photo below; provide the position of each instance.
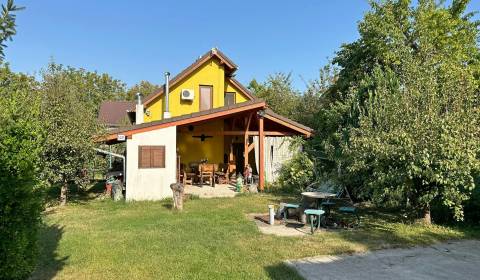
(178, 190)
(427, 219)
(63, 194)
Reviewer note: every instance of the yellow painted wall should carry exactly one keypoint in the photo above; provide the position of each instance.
(155, 110)
(211, 73)
(193, 149)
(239, 97)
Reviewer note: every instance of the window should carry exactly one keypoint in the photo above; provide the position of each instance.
(151, 157)
(229, 98)
(206, 98)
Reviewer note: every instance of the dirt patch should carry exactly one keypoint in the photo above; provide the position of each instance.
(265, 218)
(279, 228)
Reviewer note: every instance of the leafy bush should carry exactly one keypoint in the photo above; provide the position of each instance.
(472, 206)
(20, 202)
(296, 174)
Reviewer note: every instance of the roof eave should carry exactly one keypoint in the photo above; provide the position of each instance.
(185, 119)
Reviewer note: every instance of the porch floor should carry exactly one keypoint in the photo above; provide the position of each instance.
(220, 190)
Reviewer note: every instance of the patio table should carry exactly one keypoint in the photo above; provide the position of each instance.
(312, 198)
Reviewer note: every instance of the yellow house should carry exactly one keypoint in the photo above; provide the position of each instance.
(210, 82)
(206, 84)
(201, 116)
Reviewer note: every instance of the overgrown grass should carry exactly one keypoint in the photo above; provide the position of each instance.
(210, 239)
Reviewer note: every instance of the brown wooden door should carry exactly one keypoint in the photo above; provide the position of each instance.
(206, 98)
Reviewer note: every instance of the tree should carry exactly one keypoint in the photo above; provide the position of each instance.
(406, 105)
(21, 138)
(279, 94)
(144, 87)
(7, 25)
(71, 124)
(313, 98)
(94, 88)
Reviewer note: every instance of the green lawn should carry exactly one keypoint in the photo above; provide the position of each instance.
(210, 239)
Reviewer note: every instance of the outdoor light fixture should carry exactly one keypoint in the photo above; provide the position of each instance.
(261, 113)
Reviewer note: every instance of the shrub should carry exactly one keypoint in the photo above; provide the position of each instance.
(296, 174)
(20, 202)
(472, 206)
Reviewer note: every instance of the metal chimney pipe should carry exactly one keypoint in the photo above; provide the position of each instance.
(138, 97)
(166, 114)
(139, 118)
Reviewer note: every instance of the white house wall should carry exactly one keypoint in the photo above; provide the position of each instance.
(151, 183)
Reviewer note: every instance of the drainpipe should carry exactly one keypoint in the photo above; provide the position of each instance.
(139, 109)
(166, 114)
(115, 155)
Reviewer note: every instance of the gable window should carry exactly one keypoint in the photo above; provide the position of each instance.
(151, 157)
(206, 98)
(229, 98)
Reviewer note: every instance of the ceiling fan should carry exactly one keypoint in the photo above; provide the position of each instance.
(202, 137)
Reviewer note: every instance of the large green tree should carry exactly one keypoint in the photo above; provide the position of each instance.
(144, 87)
(94, 87)
(71, 123)
(403, 114)
(279, 94)
(7, 24)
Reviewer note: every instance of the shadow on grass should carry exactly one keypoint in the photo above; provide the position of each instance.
(168, 205)
(383, 228)
(76, 195)
(281, 271)
(49, 262)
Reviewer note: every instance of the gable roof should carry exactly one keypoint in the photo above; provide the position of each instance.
(112, 112)
(231, 67)
(186, 119)
(208, 115)
(242, 89)
(271, 115)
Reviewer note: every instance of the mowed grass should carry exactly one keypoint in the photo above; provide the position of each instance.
(210, 239)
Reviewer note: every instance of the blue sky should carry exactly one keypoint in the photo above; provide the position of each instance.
(139, 40)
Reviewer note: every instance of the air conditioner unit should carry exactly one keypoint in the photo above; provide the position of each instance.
(187, 94)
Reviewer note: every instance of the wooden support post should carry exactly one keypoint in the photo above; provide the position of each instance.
(245, 150)
(261, 163)
(245, 140)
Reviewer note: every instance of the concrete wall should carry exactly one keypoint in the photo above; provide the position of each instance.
(151, 183)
